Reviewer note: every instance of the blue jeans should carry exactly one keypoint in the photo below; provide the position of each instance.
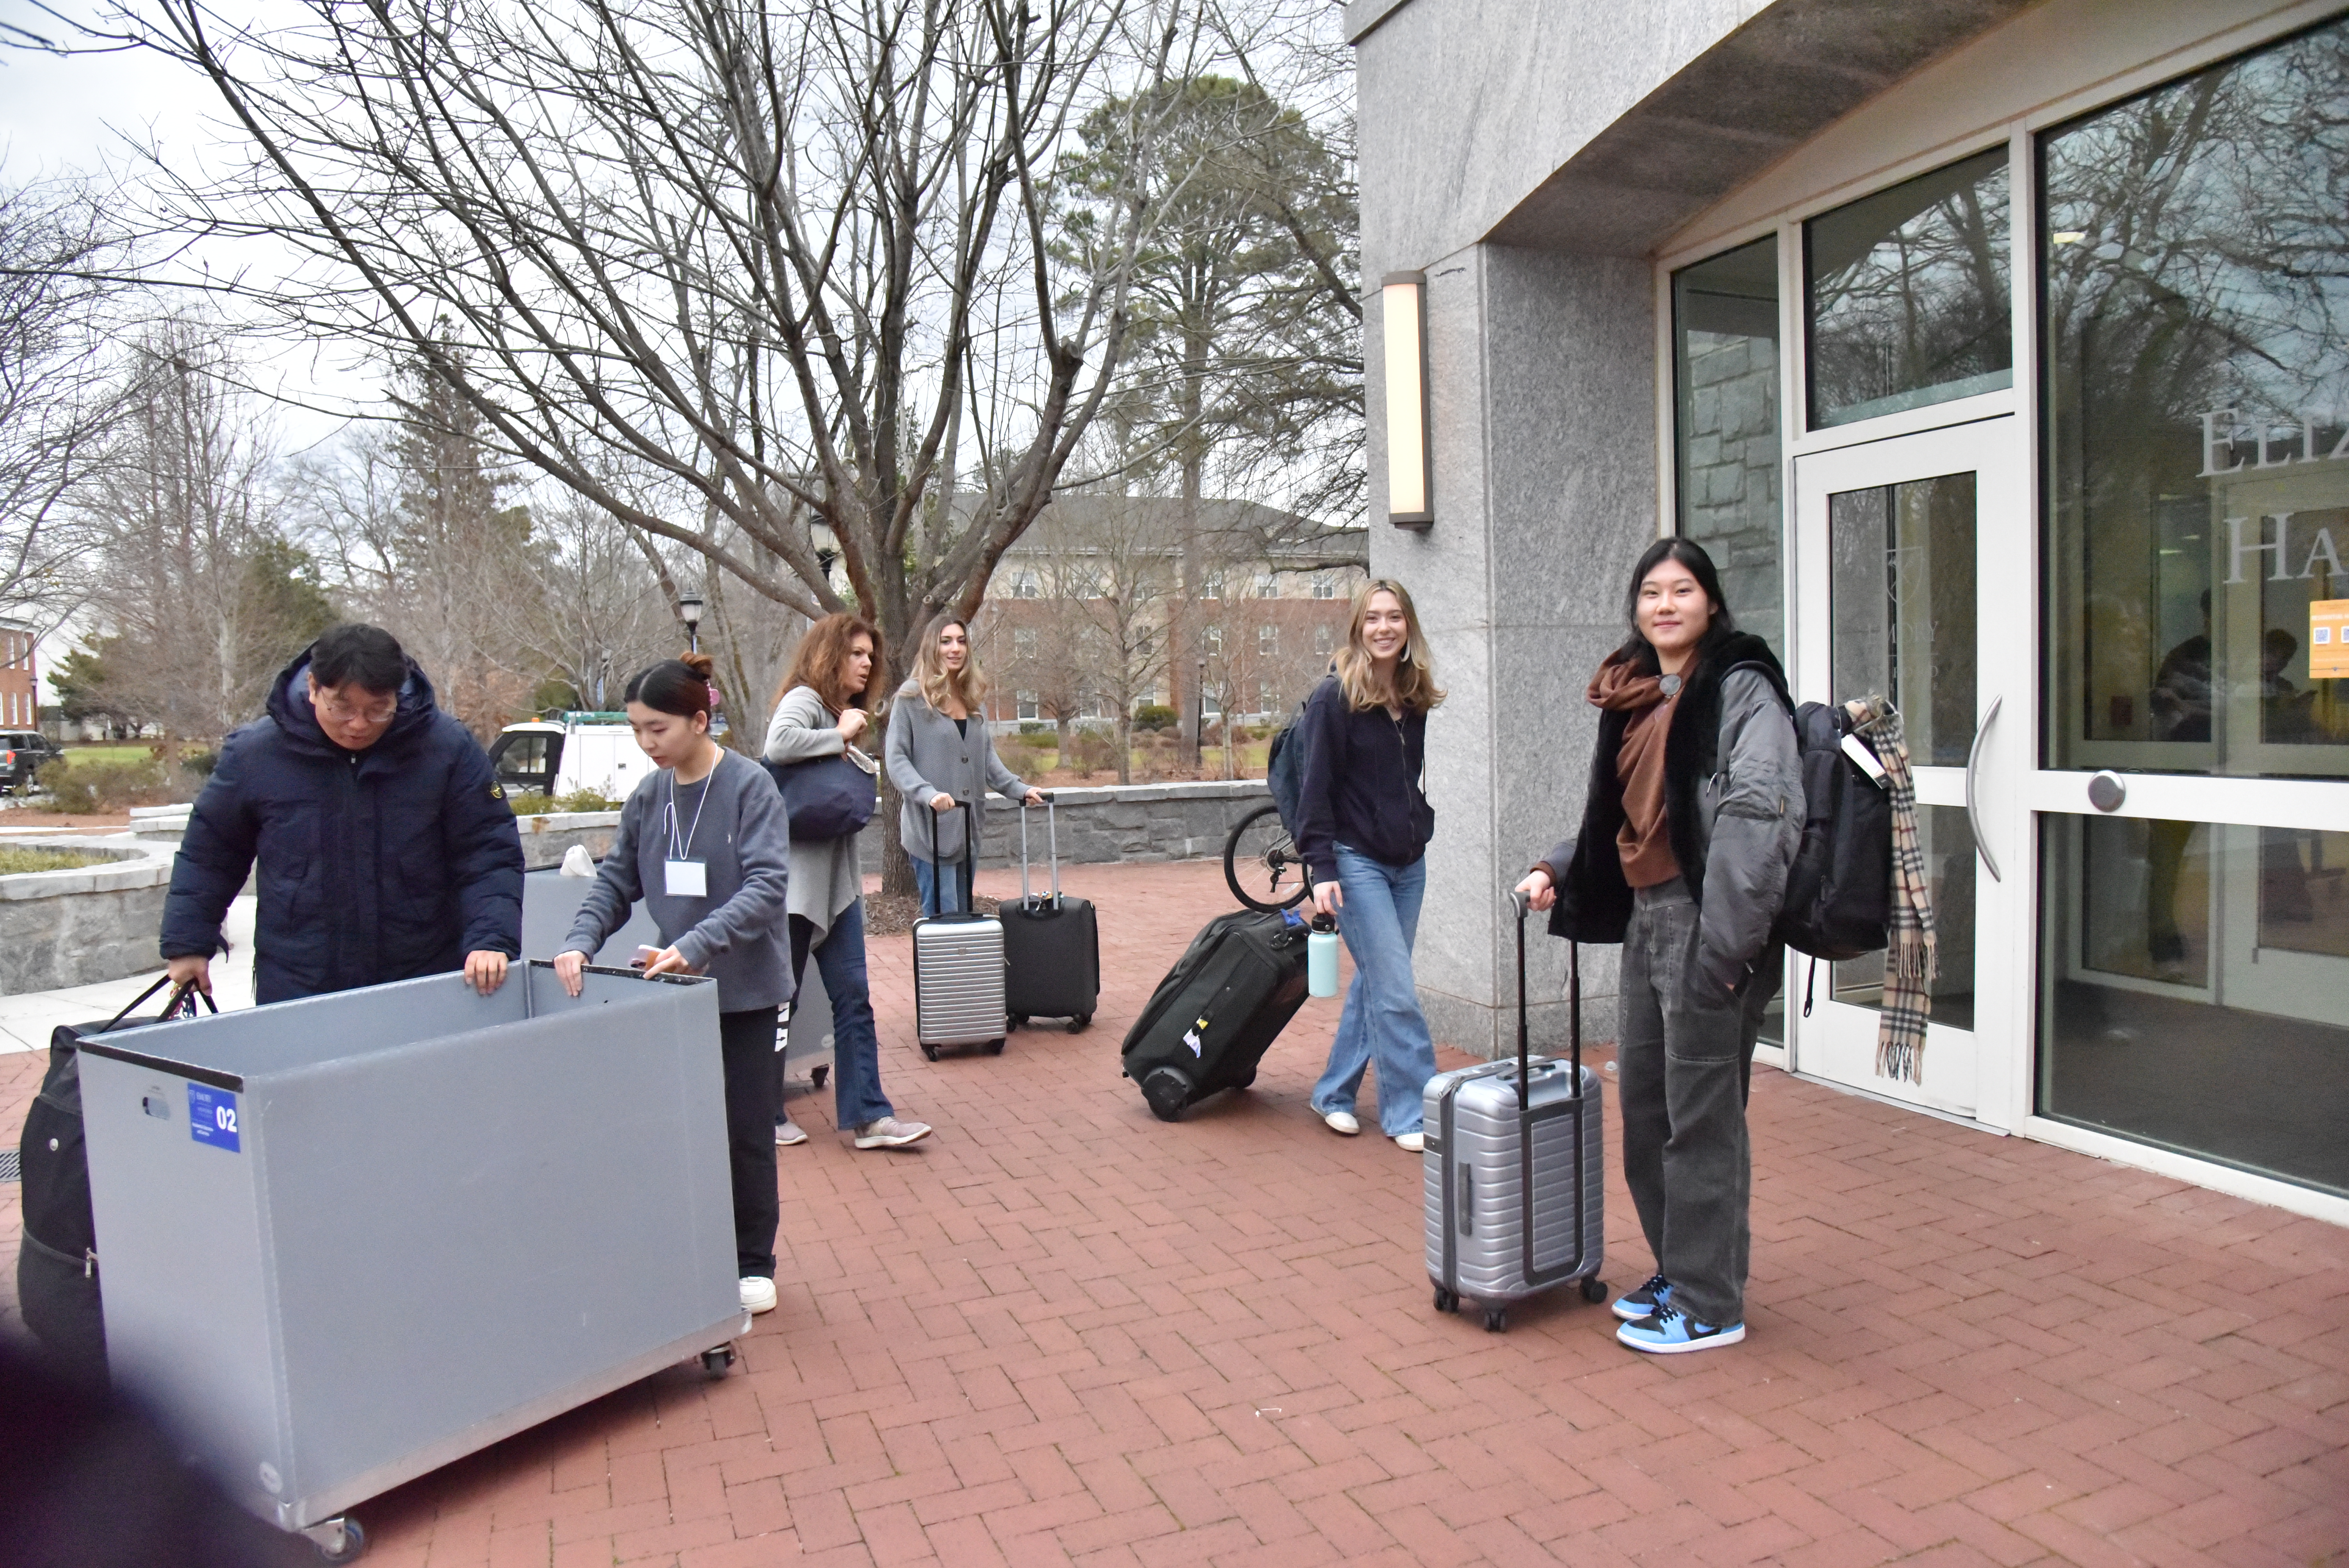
(1381, 1019)
(945, 888)
(857, 1097)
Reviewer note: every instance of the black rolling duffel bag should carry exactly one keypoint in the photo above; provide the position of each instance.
(1218, 1010)
(57, 1268)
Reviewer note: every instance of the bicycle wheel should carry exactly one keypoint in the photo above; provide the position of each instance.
(1260, 864)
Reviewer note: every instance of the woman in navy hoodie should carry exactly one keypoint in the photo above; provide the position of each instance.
(1364, 834)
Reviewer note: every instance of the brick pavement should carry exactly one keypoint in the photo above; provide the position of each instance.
(1064, 1332)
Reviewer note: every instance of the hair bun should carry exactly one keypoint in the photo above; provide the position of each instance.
(699, 663)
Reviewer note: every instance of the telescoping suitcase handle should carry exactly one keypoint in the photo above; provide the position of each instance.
(970, 836)
(1570, 1108)
(1052, 832)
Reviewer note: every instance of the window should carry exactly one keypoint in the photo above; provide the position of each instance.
(1725, 430)
(1267, 699)
(1268, 586)
(1268, 640)
(1023, 642)
(1142, 644)
(1907, 295)
(1026, 702)
(1214, 641)
(1325, 585)
(1026, 585)
(1211, 586)
(1325, 638)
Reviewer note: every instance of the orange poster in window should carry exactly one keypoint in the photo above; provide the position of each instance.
(2328, 639)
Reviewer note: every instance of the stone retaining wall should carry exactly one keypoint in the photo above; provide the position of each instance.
(1180, 821)
(85, 926)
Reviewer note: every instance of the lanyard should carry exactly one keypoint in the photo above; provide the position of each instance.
(684, 851)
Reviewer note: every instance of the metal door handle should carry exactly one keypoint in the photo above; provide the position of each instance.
(1973, 816)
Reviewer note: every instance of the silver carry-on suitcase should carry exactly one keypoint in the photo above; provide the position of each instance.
(958, 968)
(1515, 1170)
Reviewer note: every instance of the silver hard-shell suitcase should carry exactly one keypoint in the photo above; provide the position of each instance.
(1515, 1170)
(958, 970)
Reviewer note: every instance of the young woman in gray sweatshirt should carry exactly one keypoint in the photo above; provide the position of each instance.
(704, 842)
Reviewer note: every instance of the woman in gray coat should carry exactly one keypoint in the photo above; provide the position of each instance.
(940, 757)
(1690, 826)
(820, 712)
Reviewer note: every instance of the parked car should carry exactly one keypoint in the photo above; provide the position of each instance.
(22, 753)
(566, 752)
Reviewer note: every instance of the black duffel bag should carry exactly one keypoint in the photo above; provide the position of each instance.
(57, 1268)
(825, 797)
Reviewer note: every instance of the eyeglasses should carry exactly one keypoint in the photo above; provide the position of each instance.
(340, 712)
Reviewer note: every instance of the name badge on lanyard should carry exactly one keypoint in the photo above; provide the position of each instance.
(686, 877)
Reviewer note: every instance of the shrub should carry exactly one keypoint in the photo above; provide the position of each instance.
(1155, 717)
(531, 803)
(17, 858)
(1089, 754)
(584, 799)
(81, 787)
(1035, 726)
(199, 764)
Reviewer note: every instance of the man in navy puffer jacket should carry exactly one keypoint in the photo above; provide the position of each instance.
(386, 847)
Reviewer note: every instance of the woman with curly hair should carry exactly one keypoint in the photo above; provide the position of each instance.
(822, 710)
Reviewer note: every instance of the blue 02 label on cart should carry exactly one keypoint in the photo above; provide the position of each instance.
(211, 1118)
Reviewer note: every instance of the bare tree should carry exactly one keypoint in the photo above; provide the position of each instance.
(59, 390)
(767, 257)
(204, 595)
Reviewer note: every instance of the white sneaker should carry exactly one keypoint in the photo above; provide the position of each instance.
(1411, 1142)
(789, 1133)
(758, 1295)
(1342, 1123)
(889, 1132)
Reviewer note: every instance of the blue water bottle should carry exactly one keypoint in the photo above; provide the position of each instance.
(1321, 957)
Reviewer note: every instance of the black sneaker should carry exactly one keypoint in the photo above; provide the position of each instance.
(1636, 1305)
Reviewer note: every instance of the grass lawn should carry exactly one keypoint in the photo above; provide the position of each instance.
(130, 752)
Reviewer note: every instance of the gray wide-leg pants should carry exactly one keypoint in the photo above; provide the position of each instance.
(1683, 1057)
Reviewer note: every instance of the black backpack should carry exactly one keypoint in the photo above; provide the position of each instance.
(1839, 891)
(1284, 769)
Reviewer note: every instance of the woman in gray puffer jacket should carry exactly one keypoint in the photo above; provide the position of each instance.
(1690, 826)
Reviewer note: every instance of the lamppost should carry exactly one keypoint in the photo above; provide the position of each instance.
(689, 610)
(1200, 723)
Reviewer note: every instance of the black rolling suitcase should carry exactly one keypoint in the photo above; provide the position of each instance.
(57, 1268)
(1218, 1010)
(1052, 945)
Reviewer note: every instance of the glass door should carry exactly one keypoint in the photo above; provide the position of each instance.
(1911, 581)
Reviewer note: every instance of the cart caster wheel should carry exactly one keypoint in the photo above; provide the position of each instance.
(817, 1074)
(718, 1361)
(1594, 1290)
(338, 1540)
(1079, 1022)
(930, 1053)
(995, 1046)
(1496, 1320)
(1445, 1301)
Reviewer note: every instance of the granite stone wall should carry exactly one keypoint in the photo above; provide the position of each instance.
(82, 927)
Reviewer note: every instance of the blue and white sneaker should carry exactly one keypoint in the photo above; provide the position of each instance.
(1668, 1333)
(1633, 1305)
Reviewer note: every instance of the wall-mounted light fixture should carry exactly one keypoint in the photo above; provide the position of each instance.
(1411, 469)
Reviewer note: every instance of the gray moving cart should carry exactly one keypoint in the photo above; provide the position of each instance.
(550, 901)
(351, 1238)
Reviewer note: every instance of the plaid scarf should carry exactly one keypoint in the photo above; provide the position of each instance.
(1909, 958)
